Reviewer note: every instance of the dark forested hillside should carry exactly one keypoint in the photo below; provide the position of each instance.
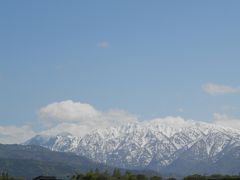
(30, 161)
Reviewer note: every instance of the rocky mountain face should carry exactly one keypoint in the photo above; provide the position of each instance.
(64, 142)
(163, 145)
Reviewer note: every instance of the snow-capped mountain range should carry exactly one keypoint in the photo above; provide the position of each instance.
(164, 145)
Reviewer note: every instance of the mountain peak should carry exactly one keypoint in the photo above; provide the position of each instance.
(159, 145)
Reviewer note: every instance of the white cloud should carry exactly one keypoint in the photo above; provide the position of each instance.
(103, 44)
(79, 118)
(225, 120)
(215, 89)
(67, 111)
(76, 129)
(15, 134)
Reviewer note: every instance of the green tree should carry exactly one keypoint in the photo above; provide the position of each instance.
(102, 177)
(116, 173)
(156, 178)
(6, 176)
(141, 177)
(172, 178)
(195, 177)
(129, 176)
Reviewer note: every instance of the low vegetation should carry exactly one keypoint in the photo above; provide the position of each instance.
(117, 175)
(212, 177)
(5, 176)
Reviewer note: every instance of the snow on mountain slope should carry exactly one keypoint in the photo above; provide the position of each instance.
(152, 144)
(64, 142)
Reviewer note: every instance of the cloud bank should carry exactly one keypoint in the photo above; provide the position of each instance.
(68, 111)
(215, 89)
(81, 118)
(15, 134)
(225, 120)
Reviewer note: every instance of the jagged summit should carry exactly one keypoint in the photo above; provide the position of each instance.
(64, 142)
(160, 145)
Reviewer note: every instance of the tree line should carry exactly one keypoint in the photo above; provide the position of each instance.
(6, 176)
(115, 175)
(118, 175)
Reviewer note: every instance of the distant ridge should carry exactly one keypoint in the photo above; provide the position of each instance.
(170, 145)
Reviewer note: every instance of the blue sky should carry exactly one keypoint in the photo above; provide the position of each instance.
(152, 59)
